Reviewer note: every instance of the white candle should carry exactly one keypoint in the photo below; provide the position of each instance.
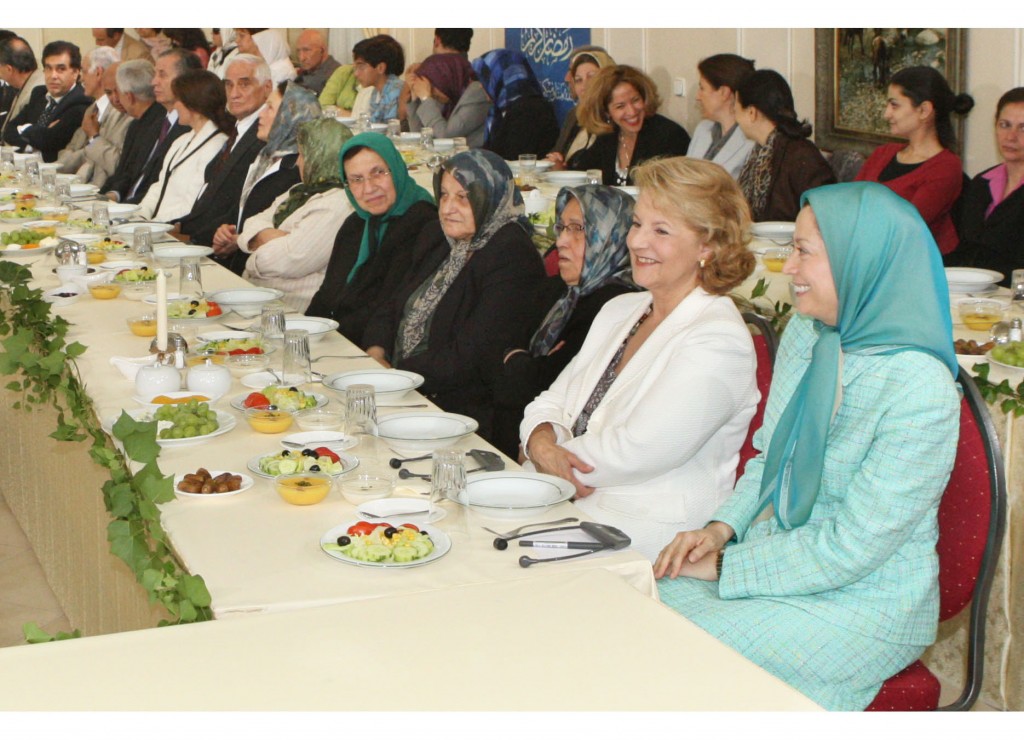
(161, 310)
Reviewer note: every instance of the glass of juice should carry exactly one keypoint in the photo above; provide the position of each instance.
(775, 258)
(980, 314)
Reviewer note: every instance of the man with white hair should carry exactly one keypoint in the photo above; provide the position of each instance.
(93, 151)
(136, 96)
(247, 84)
(315, 64)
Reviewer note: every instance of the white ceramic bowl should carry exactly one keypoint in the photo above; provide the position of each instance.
(245, 302)
(172, 255)
(156, 228)
(415, 433)
(389, 385)
(51, 296)
(566, 177)
(318, 328)
(971, 279)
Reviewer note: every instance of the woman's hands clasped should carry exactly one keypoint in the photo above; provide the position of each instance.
(551, 458)
(693, 554)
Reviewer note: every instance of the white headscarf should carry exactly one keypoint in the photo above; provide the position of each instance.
(274, 50)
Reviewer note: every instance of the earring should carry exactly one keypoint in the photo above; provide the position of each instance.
(702, 261)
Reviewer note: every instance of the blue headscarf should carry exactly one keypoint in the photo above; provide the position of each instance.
(893, 297)
(607, 218)
(506, 76)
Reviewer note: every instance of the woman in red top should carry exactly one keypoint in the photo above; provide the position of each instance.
(924, 171)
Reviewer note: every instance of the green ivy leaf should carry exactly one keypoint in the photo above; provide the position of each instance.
(34, 634)
(75, 349)
(194, 589)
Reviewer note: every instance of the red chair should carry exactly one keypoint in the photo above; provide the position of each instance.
(972, 518)
(765, 344)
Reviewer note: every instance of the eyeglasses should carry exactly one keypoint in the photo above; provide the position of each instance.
(375, 176)
(571, 228)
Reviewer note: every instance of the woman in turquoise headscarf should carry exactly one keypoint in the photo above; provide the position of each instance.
(463, 302)
(394, 221)
(839, 590)
(593, 264)
(289, 243)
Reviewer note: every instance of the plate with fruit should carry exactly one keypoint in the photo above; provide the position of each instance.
(181, 309)
(318, 460)
(13, 242)
(180, 425)
(395, 544)
(1009, 355)
(284, 398)
(211, 484)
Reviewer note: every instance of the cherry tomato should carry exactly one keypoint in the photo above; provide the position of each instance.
(253, 351)
(413, 527)
(214, 310)
(364, 528)
(327, 452)
(256, 399)
(236, 352)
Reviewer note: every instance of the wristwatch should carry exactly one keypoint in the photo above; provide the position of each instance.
(718, 563)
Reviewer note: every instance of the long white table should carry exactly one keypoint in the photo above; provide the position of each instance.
(564, 641)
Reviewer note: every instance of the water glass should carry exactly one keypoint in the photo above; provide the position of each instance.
(142, 241)
(32, 170)
(394, 128)
(1017, 286)
(49, 180)
(595, 177)
(272, 322)
(448, 477)
(62, 193)
(295, 368)
(427, 137)
(527, 169)
(7, 159)
(101, 214)
(190, 278)
(364, 122)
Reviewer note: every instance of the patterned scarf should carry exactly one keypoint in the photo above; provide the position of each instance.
(495, 202)
(756, 175)
(320, 141)
(607, 217)
(506, 76)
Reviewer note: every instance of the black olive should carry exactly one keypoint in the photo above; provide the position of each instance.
(294, 389)
(286, 453)
(194, 303)
(192, 312)
(314, 468)
(344, 540)
(390, 532)
(309, 453)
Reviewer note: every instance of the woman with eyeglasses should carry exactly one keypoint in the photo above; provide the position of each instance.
(462, 304)
(593, 267)
(648, 419)
(378, 242)
(289, 244)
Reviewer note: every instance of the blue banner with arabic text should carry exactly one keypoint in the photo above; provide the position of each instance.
(549, 51)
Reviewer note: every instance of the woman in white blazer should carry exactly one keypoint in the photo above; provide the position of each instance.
(201, 105)
(647, 421)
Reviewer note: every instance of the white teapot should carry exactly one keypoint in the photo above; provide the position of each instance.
(156, 379)
(209, 379)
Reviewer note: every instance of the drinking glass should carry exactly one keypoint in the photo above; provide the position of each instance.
(595, 177)
(394, 128)
(448, 477)
(6, 160)
(295, 368)
(49, 181)
(190, 278)
(527, 169)
(142, 241)
(101, 215)
(1017, 286)
(32, 170)
(361, 424)
(364, 122)
(272, 322)
(427, 137)
(62, 193)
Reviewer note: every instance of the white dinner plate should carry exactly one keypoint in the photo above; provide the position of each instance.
(226, 421)
(336, 441)
(246, 302)
(780, 232)
(396, 511)
(348, 464)
(238, 402)
(247, 483)
(566, 177)
(7, 252)
(442, 544)
(156, 228)
(388, 384)
(417, 432)
(970, 279)
(510, 492)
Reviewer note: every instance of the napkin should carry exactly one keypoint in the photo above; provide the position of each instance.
(129, 366)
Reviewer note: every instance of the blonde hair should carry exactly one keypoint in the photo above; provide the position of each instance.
(592, 112)
(708, 200)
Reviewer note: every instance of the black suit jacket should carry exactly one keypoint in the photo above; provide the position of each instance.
(138, 143)
(991, 243)
(66, 118)
(152, 169)
(219, 202)
(260, 198)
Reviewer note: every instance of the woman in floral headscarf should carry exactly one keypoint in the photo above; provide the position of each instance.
(290, 243)
(521, 121)
(593, 265)
(462, 304)
(447, 98)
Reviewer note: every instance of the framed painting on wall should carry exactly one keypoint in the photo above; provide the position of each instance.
(853, 67)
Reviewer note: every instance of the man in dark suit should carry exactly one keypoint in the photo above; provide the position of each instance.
(55, 110)
(21, 73)
(169, 65)
(247, 84)
(135, 91)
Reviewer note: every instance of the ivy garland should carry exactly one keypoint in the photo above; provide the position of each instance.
(34, 348)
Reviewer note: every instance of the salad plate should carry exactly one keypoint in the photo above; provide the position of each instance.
(247, 483)
(348, 463)
(514, 493)
(238, 402)
(442, 545)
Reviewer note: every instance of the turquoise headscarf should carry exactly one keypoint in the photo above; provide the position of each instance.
(893, 297)
(406, 190)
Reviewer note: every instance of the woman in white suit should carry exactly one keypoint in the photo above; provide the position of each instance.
(647, 421)
(201, 105)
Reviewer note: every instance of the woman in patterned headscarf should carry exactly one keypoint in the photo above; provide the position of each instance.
(521, 121)
(593, 265)
(463, 302)
(290, 243)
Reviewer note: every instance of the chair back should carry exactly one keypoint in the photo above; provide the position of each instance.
(765, 344)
